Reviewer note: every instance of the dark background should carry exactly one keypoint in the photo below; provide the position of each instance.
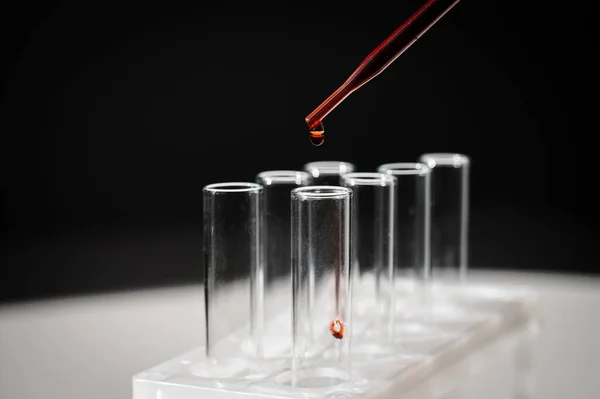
(115, 117)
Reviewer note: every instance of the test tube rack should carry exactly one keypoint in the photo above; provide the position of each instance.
(466, 320)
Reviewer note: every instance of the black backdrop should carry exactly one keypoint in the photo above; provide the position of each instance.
(115, 117)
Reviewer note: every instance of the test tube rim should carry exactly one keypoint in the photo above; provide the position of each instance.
(316, 192)
(233, 187)
(284, 176)
(454, 159)
(404, 168)
(368, 179)
(328, 168)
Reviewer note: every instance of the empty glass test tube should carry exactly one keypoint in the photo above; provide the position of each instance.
(450, 215)
(412, 231)
(321, 228)
(277, 267)
(233, 274)
(328, 172)
(372, 249)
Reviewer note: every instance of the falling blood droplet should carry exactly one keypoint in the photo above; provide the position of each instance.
(337, 329)
(317, 135)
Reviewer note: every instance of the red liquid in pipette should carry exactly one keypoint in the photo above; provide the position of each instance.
(378, 60)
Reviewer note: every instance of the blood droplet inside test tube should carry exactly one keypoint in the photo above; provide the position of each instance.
(337, 329)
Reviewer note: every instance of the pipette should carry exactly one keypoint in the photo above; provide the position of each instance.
(379, 59)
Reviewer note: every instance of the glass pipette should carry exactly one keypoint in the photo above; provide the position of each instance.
(379, 59)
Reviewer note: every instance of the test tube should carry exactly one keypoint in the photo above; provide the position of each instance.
(412, 229)
(277, 299)
(233, 275)
(327, 173)
(450, 215)
(321, 240)
(372, 247)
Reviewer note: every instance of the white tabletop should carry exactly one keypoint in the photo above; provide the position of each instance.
(89, 347)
